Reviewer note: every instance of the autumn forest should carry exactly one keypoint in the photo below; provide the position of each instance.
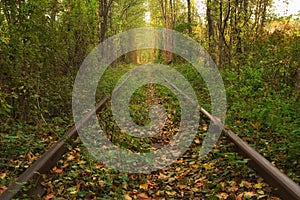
(44, 43)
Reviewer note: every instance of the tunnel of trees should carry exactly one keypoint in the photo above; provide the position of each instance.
(43, 44)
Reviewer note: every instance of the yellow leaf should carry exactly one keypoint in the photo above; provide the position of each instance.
(258, 185)
(71, 157)
(2, 175)
(197, 141)
(260, 192)
(208, 166)
(81, 162)
(204, 128)
(223, 195)
(61, 189)
(144, 186)
(180, 161)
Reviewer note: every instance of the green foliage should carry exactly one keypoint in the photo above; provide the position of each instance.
(5, 108)
(263, 115)
(262, 95)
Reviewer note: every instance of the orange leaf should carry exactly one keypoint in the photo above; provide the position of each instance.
(58, 171)
(142, 196)
(144, 186)
(152, 185)
(239, 197)
(78, 185)
(2, 189)
(199, 184)
(49, 196)
(65, 165)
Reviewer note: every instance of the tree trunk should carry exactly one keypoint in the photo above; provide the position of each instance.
(220, 42)
(104, 9)
(189, 16)
(168, 15)
(210, 24)
(298, 81)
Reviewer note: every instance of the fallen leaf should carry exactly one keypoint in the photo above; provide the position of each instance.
(163, 176)
(152, 185)
(197, 141)
(234, 188)
(2, 175)
(261, 192)
(142, 196)
(255, 125)
(49, 196)
(245, 194)
(195, 166)
(172, 143)
(71, 157)
(2, 189)
(78, 185)
(127, 197)
(65, 165)
(223, 195)
(258, 186)
(208, 166)
(249, 194)
(58, 170)
(144, 186)
(199, 184)
(246, 184)
(100, 165)
(204, 128)
(239, 197)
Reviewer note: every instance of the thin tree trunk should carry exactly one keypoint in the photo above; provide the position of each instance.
(220, 42)
(167, 13)
(189, 16)
(104, 9)
(211, 35)
(298, 81)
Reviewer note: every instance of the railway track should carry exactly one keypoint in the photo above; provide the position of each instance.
(285, 187)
